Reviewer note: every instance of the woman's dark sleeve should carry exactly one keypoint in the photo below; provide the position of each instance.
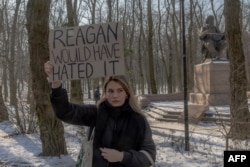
(69, 112)
(137, 158)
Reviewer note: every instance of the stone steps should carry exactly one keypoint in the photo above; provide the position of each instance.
(217, 118)
(172, 113)
(167, 114)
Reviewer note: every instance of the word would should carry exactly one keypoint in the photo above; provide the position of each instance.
(83, 54)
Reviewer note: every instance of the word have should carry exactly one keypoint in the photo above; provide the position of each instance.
(84, 70)
(83, 54)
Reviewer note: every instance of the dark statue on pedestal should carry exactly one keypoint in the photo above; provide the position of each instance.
(213, 41)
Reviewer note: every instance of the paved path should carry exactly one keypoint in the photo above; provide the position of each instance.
(200, 128)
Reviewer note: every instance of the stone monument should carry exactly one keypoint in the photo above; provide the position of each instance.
(211, 84)
(211, 88)
(211, 77)
(213, 41)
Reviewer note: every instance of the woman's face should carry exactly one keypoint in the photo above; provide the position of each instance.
(115, 94)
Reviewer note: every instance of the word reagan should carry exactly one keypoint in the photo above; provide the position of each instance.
(92, 35)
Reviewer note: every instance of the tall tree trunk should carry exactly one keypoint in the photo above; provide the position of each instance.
(190, 53)
(12, 64)
(51, 129)
(240, 128)
(170, 47)
(12, 78)
(130, 47)
(141, 38)
(177, 67)
(109, 4)
(166, 68)
(150, 49)
(3, 109)
(95, 82)
(93, 11)
(5, 85)
(5, 30)
(76, 95)
(170, 65)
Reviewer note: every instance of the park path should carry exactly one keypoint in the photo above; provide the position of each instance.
(166, 127)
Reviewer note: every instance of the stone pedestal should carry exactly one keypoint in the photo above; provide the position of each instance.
(211, 84)
(211, 88)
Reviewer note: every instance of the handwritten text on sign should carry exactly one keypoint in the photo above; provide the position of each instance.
(86, 52)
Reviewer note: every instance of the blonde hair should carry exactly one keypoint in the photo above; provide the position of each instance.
(132, 100)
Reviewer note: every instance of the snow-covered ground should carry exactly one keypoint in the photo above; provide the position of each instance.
(206, 146)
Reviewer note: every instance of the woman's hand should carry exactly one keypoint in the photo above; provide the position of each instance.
(112, 155)
(48, 68)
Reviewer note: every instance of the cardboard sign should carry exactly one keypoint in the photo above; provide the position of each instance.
(86, 52)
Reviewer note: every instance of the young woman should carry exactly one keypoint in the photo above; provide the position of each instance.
(121, 130)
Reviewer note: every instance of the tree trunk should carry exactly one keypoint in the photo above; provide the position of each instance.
(190, 50)
(170, 65)
(12, 65)
(140, 54)
(12, 78)
(5, 46)
(177, 58)
(51, 129)
(240, 128)
(130, 56)
(76, 95)
(95, 82)
(109, 4)
(170, 58)
(150, 50)
(166, 58)
(3, 109)
(5, 84)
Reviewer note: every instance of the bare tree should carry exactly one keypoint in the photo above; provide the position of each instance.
(11, 61)
(173, 29)
(12, 64)
(3, 52)
(92, 7)
(76, 95)
(238, 79)
(163, 39)
(245, 21)
(129, 33)
(150, 49)
(110, 4)
(3, 109)
(51, 129)
(140, 49)
(169, 51)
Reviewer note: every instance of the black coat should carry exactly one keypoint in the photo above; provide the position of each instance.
(118, 128)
